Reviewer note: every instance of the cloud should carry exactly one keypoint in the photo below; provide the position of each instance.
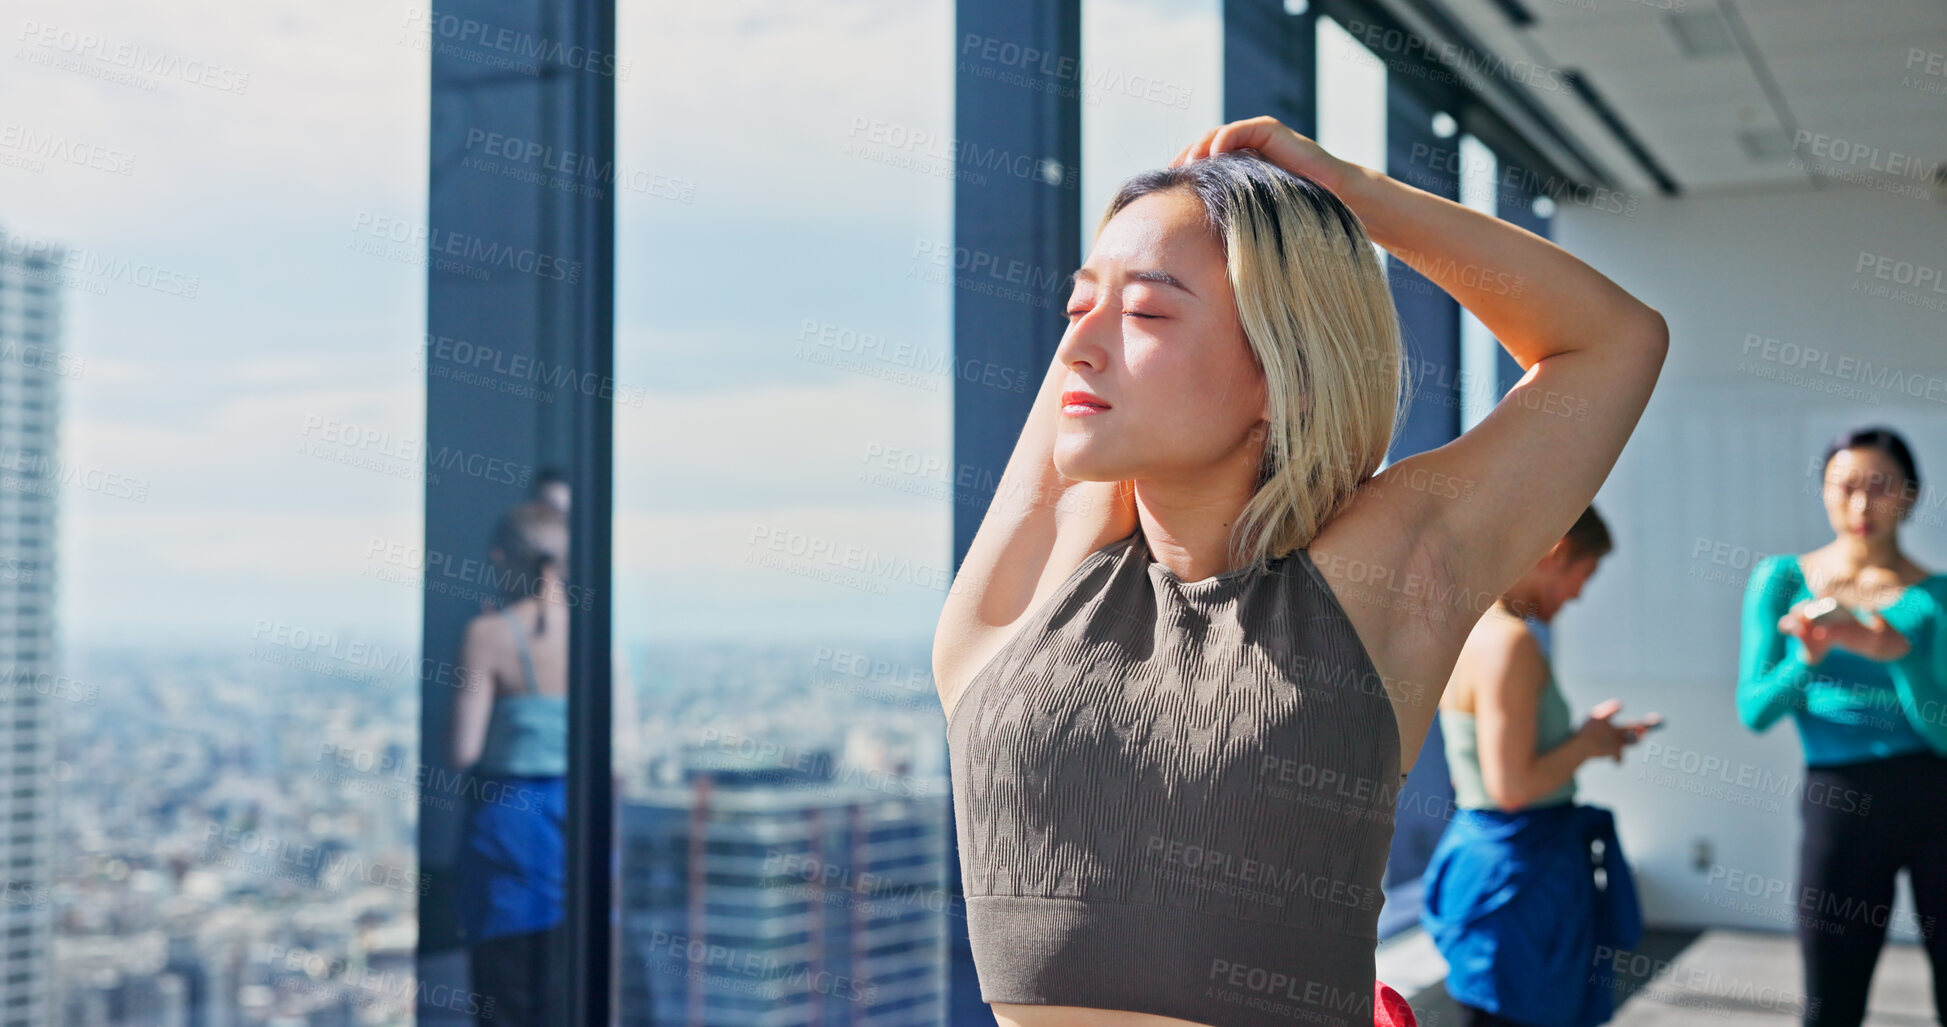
(252, 191)
(744, 448)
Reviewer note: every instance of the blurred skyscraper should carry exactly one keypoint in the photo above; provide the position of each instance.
(755, 899)
(30, 481)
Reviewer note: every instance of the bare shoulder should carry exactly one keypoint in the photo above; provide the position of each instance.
(488, 646)
(1393, 578)
(1502, 648)
(1491, 647)
(484, 633)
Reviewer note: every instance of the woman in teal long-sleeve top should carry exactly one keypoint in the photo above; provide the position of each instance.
(1869, 695)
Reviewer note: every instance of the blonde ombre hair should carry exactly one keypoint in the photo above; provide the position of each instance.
(1313, 301)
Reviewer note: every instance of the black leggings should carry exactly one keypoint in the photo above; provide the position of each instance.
(1863, 822)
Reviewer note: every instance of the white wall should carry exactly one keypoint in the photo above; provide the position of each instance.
(1722, 471)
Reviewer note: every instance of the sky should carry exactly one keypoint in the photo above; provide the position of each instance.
(234, 181)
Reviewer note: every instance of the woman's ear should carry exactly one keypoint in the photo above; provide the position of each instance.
(1264, 412)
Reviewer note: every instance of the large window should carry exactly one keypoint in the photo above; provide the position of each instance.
(211, 432)
(783, 483)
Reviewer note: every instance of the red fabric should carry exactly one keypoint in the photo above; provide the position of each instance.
(1389, 1009)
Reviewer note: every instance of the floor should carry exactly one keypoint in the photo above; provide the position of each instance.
(1717, 977)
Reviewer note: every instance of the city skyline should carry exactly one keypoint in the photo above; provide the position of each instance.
(239, 829)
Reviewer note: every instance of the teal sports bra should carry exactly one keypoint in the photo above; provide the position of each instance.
(1553, 726)
(527, 734)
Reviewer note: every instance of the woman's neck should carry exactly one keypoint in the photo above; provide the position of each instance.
(1188, 520)
(1857, 554)
(550, 597)
(1872, 570)
(1188, 535)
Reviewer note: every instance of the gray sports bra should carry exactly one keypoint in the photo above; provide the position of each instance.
(1177, 797)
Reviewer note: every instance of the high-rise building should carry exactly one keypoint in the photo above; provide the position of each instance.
(31, 363)
(759, 902)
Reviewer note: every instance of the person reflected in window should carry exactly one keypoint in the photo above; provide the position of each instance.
(1510, 895)
(510, 729)
(1867, 687)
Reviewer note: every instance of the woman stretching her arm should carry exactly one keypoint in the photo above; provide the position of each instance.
(1195, 642)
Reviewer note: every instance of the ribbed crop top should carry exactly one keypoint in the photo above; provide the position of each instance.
(1177, 797)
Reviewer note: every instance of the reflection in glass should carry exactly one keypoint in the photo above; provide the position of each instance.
(510, 728)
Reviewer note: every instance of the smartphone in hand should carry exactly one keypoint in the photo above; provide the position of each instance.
(1826, 612)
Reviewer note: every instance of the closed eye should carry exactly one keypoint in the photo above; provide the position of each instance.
(1073, 314)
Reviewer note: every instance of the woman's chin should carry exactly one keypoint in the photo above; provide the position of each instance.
(1088, 455)
(1082, 466)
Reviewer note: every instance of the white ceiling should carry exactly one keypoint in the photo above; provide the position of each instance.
(1833, 68)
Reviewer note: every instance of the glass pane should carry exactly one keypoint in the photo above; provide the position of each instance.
(782, 512)
(1152, 79)
(1351, 97)
(1352, 106)
(212, 423)
(1479, 351)
(513, 361)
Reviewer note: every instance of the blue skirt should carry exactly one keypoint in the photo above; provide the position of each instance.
(1513, 903)
(512, 867)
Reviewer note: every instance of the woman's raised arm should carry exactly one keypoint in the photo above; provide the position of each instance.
(1592, 353)
(1038, 528)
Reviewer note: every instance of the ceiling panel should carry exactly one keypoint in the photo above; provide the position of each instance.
(1813, 25)
(1852, 67)
(1822, 66)
(1616, 39)
(1665, 87)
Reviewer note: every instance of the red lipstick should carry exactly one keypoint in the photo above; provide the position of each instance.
(1081, 403)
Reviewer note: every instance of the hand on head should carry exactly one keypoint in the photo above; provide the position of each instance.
(1279, 145)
